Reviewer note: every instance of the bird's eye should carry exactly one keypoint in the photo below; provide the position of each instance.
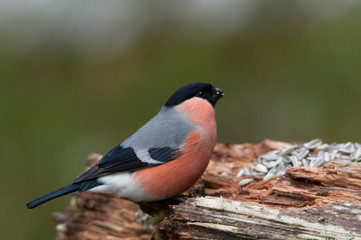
(200, 94)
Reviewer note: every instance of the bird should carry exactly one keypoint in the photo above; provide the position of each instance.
(163, 158)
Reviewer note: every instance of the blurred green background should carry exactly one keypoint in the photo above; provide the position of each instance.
(80, 76)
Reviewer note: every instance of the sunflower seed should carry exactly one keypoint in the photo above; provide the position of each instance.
(353, 148)
(224, 174)
(270, 155)
(261, 168)
(357, 153)
(257, 174)
(312, 162)
(327, 156)
(295, 161)
(287, 150)
(286, 159)
(334, 154)
(281, 172)
(305, 163)
(313, 143)
(281, 169)
(270, 164)
(245, 182)
(350, 146)
(321, 155)
(311, 157)
(270, 174)
(247, 172)
(319, 162)
(304, 152)
(324, 146)
(240, 173)
(298, 164)
(344, 150)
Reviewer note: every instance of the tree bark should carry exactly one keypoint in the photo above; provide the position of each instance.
(306, 203)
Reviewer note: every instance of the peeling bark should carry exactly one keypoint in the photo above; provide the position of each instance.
(306, 203)
(217, 218)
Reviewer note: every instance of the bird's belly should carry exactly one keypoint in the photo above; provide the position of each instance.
(121, 184)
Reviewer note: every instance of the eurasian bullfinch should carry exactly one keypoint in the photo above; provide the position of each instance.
(163, 158)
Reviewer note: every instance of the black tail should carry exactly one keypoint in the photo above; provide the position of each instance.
(58, 193)
(74, 187)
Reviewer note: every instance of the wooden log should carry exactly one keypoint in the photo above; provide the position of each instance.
(219, 218)
(306, 203)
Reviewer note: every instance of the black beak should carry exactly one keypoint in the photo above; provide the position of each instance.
(217, 94)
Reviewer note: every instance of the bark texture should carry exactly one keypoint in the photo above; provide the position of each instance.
(306, 203)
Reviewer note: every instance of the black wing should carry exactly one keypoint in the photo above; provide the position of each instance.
(121, 159)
